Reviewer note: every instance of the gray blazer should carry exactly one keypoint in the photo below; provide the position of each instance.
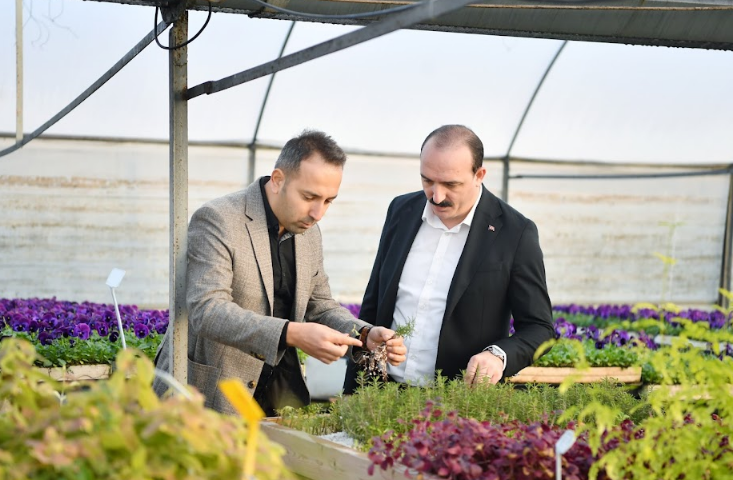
(230, 295)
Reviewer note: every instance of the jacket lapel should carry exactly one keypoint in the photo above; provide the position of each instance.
(257, 229)
(303, 274)
(485, 228)
(408, 220)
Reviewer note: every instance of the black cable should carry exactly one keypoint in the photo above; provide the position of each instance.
(347, 16)
(208, 17)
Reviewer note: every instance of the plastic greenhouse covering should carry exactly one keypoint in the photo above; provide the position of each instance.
(92, 193)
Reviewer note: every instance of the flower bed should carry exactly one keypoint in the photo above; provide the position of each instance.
(71, 333)
(500, 432)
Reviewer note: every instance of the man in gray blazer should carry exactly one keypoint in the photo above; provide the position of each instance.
(256, 288)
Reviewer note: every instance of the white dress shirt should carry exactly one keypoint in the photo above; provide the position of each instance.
(423, 291)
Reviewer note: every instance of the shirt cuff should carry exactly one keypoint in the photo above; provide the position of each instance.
(500, 351)
(283, 338)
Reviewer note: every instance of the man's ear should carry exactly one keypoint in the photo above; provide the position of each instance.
(480, 174)
(277, 179)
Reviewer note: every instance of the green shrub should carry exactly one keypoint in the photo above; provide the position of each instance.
(687, 435)
(115, 429)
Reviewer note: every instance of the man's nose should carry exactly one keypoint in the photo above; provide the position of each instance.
(317, 211)
(438, 194)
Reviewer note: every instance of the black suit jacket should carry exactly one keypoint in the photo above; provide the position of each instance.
(500, 273)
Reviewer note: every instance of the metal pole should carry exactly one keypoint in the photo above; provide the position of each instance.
(178, 71)
(505, 179)
(727, 264)
(18, 70)
(253, 145)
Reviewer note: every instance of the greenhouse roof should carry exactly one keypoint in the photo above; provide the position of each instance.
(691, 23)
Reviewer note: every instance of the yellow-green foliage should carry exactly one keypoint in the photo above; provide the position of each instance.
(115, 429)
(687, 435)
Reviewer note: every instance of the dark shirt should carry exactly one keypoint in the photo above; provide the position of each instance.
(282, 384)
(282, 251)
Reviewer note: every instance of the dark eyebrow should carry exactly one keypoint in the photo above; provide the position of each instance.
(451, 182)
(308, 193)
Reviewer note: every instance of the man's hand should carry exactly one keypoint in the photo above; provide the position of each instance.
(484, 367)
(320, 341)
(396, 349)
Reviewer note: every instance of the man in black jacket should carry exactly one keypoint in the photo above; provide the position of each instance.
(459, 263)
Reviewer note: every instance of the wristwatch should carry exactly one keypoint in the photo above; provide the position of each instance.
(364, 336)
(498, 352)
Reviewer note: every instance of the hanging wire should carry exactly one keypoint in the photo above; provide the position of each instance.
(346, 16)
(176, 47)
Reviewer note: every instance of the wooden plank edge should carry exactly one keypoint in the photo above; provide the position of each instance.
(78, 372)
(316, 458)
(593, 374)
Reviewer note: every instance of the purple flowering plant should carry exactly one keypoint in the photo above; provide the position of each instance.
(72, 333)
(669, 315)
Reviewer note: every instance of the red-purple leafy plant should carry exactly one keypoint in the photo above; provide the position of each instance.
(466, 449)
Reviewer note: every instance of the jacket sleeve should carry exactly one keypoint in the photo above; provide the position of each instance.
(322, 308)
(529, 303)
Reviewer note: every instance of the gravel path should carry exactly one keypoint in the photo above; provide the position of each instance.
(342, 438)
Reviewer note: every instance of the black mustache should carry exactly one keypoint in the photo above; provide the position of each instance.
(444, 203)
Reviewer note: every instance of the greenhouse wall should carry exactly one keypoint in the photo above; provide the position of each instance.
(74, 209)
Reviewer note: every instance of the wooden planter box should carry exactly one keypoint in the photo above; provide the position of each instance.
(316, 458)
(594, 374)
(78, 373)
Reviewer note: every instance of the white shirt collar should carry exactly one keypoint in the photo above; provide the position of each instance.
(435, 222)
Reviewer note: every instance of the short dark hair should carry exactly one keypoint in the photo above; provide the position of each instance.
(306, 144)
(448, 135)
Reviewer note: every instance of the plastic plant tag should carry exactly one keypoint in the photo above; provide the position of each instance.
(250, 410)
(565, 442)
(115, 277)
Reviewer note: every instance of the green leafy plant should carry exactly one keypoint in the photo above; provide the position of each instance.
(687, 435)
(378, 407)
(115, 429)
(726, 307)
(316, 418)
(566, 353)
(94, 350)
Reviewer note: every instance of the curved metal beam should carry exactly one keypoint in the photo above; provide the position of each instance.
(505, 180)
(253, 144)
(147, 40)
